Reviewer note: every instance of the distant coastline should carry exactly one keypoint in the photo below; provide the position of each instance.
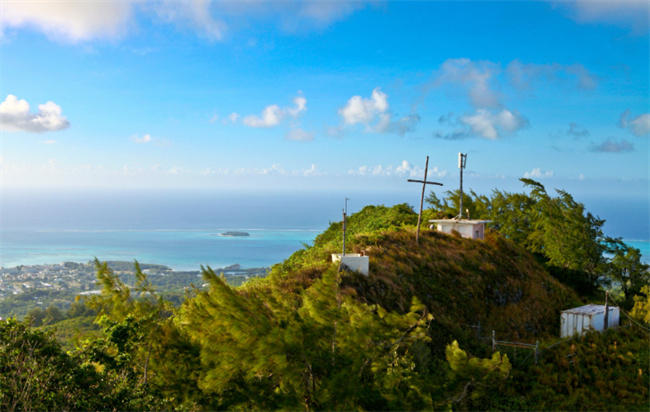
(234, 233)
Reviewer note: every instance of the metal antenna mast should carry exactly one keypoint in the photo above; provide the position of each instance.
(462, 162)
(424, 184)
(345, 212)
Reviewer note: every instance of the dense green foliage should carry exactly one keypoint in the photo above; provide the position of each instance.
(568, 237)
(310, 336)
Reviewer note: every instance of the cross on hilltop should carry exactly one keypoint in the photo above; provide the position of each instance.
(424, 185)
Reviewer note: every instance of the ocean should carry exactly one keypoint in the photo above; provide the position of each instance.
(181, 229)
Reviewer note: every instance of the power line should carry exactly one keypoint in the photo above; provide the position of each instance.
(629, 317)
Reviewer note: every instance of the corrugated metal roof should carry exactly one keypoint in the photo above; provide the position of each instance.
(459, 222)
(590, 309)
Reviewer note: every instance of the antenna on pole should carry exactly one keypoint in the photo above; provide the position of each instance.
(345, 212)
(462, 162)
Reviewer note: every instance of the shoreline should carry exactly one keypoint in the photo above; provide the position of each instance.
(35, 259)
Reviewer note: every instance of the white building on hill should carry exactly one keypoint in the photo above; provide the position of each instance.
(470, 229)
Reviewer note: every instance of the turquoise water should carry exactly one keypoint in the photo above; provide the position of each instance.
(643, 246)
(178, 249)
(179, 229)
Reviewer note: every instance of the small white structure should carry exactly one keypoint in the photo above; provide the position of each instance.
(579, 320)
(470, 229)
(354, 261)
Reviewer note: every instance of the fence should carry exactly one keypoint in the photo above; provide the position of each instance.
(496, 343)
(534, 347)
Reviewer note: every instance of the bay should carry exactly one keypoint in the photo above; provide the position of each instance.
(179, 228)
(178, 249)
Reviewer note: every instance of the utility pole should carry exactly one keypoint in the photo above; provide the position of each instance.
(606, 320)
(345, 212)
(462, 162)
(424, 184)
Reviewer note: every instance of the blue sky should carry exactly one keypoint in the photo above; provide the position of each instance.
(304, 95)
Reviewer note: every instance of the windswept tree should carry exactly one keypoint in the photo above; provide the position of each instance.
(559, 228)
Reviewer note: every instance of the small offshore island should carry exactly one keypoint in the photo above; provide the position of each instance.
(234, 234)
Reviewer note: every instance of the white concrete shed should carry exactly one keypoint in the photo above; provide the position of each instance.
(470, 229)
(354, 261)
(579, 320)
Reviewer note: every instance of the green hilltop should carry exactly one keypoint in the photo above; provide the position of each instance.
(312, 336)
(461, 281)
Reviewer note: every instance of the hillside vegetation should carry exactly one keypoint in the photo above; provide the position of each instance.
(310, 336)
(461, 281)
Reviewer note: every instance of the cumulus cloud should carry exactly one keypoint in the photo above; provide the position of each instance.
(492, 125)
(233, 117)
(612, 146)
(79, 21)
(70, 21)
(273, 115)
(482, 83)
(16, 117)
(537, 173)
(364, 111)
(374, 113)
(639, 126)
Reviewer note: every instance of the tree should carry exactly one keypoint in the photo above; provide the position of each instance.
(558, 228)
(626, 268)
(641, 309)
(476, 205)
(36, 374)
(133, 321)
(471, 378)
(322, 351)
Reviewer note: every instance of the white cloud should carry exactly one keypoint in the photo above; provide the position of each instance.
(233, 117)
(312, 171)
(271, 116)
(177, 170)
(49, 141)
(301, 107)
(197, 15)
(492, 125)
(474, 76)
(623, 13)
(537, 173)
(144, 139)
(300, 135)
(639, 126)
(274, 114)
(364, 111)
(404, 169)
(374, 113)
(80, 21)
(15, 117)
(482, 82)
(69, 21)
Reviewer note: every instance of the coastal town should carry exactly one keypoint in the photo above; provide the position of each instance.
(25, 287)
